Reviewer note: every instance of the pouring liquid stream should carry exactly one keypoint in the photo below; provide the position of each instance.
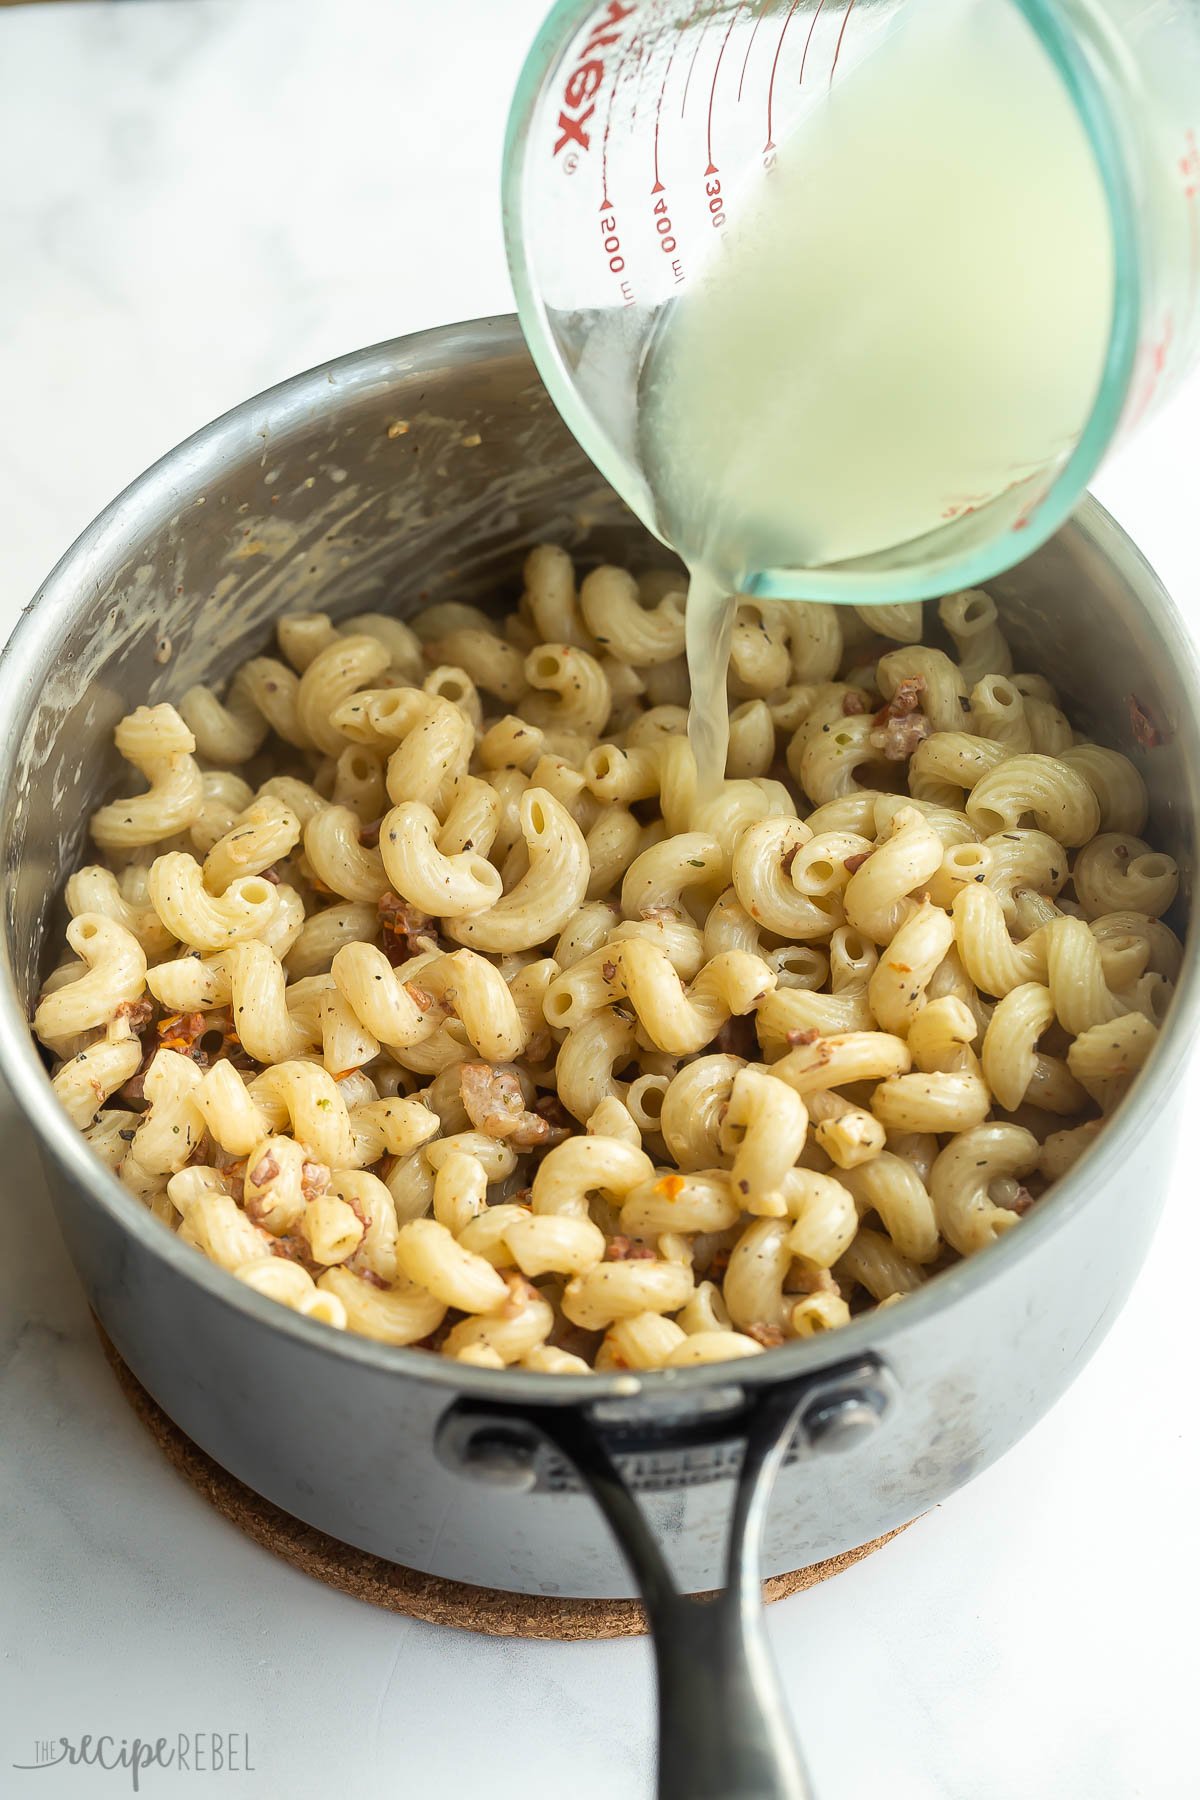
(908, 322)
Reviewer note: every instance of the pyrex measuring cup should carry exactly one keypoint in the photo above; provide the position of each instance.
(643, 130)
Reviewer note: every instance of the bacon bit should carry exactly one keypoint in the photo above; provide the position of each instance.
(901, 726)
(136, 1013)
(1020, 1203)
(314, 1181)
(404, 930)
(369, 1275)
(1146, 734)
(293, 1248)
(623, 1249)
(533, 1132)
(854, 863)
(811, 1281)
(788, 858)
(368, 835)
(905, 700)
(609, 971)
(520, 1293)
(495, 1105)
(670, 1186)
(853, 704)
(421, 997)
(900, 736)
(800, 1040)
(272, 875)
(654, 913)
(265, 1170)
(769, 1336)
(900, 968)
(226, 1163)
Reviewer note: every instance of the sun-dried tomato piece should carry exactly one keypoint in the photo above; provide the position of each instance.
(182, 1031)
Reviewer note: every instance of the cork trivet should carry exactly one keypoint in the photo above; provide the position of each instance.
(381, 1583)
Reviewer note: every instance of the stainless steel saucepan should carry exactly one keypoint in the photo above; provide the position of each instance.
(424, 468)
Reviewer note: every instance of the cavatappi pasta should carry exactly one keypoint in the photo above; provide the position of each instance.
(422, 989)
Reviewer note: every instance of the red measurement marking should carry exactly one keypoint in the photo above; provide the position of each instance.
(631, 50)
(808, 40)
(1025, 517)
(712, 92)
(1189, 168)
(657, 188)
(770, 143)
(662, 92)
(749, 47)
(1153, 361)
(612, 250)
(838, 46)
(586, 79)
(695, 53)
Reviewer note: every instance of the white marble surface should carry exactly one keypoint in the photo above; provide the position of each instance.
(198, 199)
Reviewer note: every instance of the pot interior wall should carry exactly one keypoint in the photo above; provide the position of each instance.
(382, 486)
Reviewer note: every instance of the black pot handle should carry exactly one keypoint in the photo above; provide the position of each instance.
(724, 1730)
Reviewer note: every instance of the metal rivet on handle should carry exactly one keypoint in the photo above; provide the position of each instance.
(839, 1421)
(504, 1458)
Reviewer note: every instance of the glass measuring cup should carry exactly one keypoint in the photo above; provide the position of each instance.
(643, 131)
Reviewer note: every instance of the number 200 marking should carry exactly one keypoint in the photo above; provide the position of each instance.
(612, 243)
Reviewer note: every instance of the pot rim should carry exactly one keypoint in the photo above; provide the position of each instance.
(165, 489)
